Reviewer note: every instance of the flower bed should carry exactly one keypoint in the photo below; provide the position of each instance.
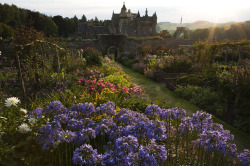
(125, 137)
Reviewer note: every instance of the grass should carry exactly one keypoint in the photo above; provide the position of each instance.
(166, 99)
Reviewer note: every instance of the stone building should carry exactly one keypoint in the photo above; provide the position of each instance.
(88, 30)
(180, 31)
(132, 24)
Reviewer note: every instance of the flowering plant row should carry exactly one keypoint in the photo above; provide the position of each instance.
(97, 86)
(125, 137)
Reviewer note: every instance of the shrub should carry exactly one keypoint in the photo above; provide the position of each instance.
(117, 80)
(191, 79)
(242, 123)
(76, 64)
(92, 56)
(150, 72)
(125, 60)
(204, 98)
(139, 67)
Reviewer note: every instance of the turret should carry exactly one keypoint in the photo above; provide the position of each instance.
(138, 14)
(146, 13)
(154, 15)
(123, 11)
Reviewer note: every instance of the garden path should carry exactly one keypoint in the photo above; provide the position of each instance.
(167, 99)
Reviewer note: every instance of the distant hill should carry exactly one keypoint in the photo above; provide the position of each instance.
(171, 27)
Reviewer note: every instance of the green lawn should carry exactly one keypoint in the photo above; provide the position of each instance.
(167, 99)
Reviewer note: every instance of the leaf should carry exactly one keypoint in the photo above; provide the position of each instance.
(17, 154)
(6, 162)
(20, 144)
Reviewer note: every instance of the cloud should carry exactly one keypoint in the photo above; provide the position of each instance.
(192, 10)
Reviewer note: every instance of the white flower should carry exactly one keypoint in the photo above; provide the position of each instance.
(23, 110)
(32, 120)
(11, 101)
(24, 128)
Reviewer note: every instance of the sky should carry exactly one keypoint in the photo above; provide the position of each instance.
(167, 10)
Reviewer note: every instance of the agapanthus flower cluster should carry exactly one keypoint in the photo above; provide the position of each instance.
(124, 137)
(156, 130)
(108, 108)
(202, 120)
(86, 155)
(185, 126)
(172, 113)
(245, 157)
(151, 155)
(152, 110)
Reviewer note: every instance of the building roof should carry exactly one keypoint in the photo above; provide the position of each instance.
(100, 28)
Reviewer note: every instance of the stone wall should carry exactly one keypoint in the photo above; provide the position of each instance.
(104, 42)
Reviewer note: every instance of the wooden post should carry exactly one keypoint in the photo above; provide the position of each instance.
(226, 56)
(57, 61)
(36, 73)
(240, 49)
(20, 75)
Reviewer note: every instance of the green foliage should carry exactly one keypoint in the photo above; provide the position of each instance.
(174, 64)
(204, 98)
(83, 18)
(242, 123)
(6, 31)
(165, 34)
(92, 57)
(16, 144)
(200, 34)
(191, 79)
(117, 80)
(145, 49)
(150, 72)
(127, 59)
(139, 67)
(137, 103)
(75, 64)
(146, 38)
(51, 28)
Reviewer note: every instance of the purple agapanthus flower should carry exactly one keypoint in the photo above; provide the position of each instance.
(185, 126)
(86, 110)
(86, 155)
(84, 136)
(202, 120)
(108, 108)
(245, 157)
(152, 110)
(38, 112)
(55, 108)
(156, 130)
(125, 145)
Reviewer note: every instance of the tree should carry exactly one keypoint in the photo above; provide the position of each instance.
(165, 34)
(83, 19)
(6, 31)
(51, 28)
(200, 34)
(36, 20)
(61, 24)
